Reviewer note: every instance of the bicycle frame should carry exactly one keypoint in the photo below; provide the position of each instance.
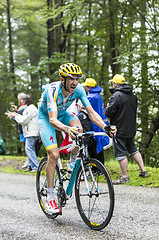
(83, 154)
(75, 170)
(94, 193)
(73, 177)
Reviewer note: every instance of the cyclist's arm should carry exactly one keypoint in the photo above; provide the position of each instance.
(55, 122)
(59, 125)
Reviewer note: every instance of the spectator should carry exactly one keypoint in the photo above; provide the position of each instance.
(121, 111)
(96, 101)
(20, 110)
(87, 126)
(2, 146)
(30, 130)
(83, 117)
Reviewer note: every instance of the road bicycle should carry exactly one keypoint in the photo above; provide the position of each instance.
(94, 192)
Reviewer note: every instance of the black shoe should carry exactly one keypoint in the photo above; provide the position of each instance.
(143, 174)
(28, 169)
(121, 180)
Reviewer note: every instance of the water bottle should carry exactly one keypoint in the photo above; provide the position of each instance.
(70, 169)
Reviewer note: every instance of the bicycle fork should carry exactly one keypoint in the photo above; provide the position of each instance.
(86, 181)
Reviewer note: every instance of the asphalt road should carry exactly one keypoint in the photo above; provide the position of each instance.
(136, 214)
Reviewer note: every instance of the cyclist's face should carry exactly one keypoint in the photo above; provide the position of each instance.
(71, 83)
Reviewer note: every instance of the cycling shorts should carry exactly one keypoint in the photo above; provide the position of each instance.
(47, 132)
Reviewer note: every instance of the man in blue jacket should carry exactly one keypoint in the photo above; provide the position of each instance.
(96, 102)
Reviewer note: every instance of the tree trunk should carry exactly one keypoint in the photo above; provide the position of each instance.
(114, 66)
(50, 39)
(89, 45)
(144, 79)
(69, 41)
(12, 70)
(154, 126)
(75, 40)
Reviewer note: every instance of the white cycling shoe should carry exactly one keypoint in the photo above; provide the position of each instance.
(52, 207)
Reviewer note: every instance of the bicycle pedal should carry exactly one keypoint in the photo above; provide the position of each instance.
(63, 171)
(59, 213)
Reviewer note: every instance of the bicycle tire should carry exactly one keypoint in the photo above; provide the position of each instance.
(98, 210)
(41, 187)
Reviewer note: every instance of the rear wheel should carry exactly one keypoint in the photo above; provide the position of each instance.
(96, 207)
(41, 187)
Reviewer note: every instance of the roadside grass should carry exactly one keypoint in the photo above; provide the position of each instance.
(12, 164)
(133, 173)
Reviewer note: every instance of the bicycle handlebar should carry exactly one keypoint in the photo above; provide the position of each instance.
(92, 133)
(72, 145)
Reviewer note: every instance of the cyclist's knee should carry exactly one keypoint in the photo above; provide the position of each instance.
(76, 123)
(80, 129)
(53, 155)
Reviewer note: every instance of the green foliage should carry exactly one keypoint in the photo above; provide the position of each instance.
(42, 69)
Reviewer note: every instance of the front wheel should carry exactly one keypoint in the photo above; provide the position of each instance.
(41, 186)
(96, 205)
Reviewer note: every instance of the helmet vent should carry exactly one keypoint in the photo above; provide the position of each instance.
(70, 69)
(67, 69)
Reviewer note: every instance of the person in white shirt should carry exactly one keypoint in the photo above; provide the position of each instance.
(28, 120)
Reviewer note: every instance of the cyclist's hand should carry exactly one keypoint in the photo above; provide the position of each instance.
(73, 131)
(110, 130)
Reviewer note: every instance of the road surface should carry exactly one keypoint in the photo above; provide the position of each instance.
(136, 214)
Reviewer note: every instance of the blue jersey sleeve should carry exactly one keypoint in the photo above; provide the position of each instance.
(48, 102)
(83, 96)
(51, 99)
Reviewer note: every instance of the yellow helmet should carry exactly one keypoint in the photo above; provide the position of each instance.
(118, 79)
(70, 70)
(90, 82)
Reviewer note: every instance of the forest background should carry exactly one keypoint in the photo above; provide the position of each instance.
(103, 37)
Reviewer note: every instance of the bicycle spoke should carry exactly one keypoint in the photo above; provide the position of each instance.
(96, 203)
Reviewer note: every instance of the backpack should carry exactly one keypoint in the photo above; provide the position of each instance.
(85, 121)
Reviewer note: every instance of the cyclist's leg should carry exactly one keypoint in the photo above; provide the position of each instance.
(42, 190)
(53, 155)
(76, 122)
(72, 120)
(48, 136)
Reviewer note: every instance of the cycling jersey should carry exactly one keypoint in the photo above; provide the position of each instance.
(53, 100)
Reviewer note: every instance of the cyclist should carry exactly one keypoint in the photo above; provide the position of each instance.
(53, 115)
